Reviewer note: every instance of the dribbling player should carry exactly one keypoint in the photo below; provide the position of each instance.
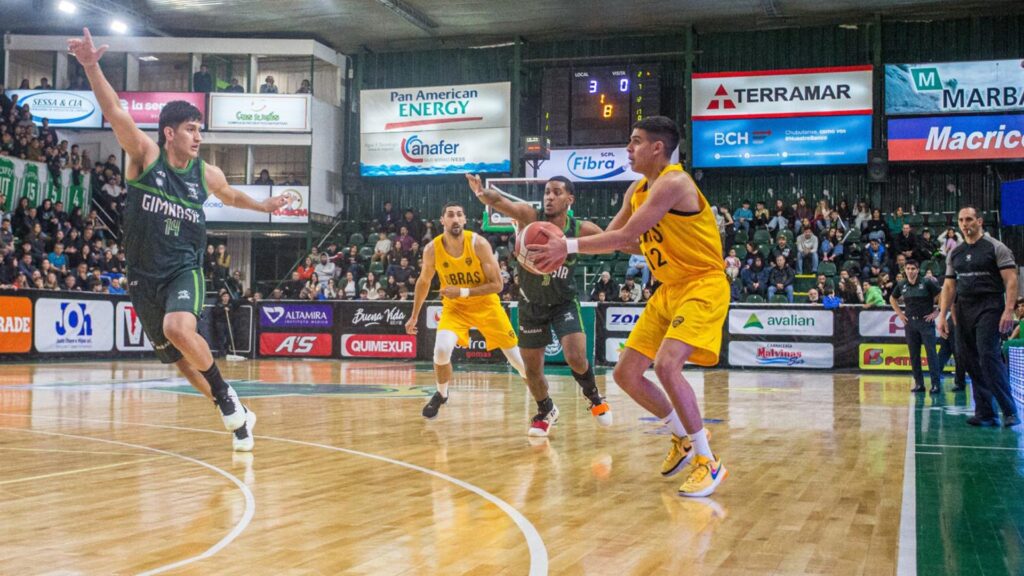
(165, 235)
(470, 283)
(683, 319)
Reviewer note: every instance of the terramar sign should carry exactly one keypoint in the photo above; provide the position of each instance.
(436, 130)
(954, 87)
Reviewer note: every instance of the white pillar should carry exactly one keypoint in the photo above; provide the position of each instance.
(131, 72)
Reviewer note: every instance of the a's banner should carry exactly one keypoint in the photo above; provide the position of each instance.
(954, 87)
(938, 138)
(435, 130)
(260, 112)
(145, 107)
(63, 108)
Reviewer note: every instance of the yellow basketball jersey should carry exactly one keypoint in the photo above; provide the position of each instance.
(681, 247)
(464, 271)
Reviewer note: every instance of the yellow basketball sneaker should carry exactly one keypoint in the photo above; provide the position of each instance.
(679, 455)
(705, 476)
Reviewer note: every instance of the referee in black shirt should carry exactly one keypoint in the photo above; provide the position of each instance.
(919, 321)
(982, 275)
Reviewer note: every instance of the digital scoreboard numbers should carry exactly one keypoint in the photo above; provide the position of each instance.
(598, 105)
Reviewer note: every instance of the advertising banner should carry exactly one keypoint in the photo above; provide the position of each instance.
(297, 209)
(216, 211)
(591, 165)
(296, 315)
(435, 130)
(782, 141)
(32, 179)
(893, 357)
(781, 322)
(260, 112)
(69, 325)
(613, 348)
(285, 344)
(374, 317)
(378, 346)
(64, 108)
(145, 107)
(130, 335)
(782, 93)
(15, 325)
(883, 323)
(954, 87)
(781, 354)
(622, 318)
(938, 138)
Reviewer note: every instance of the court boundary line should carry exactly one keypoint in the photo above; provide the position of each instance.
(77, 471)
(906, 558)
(964, 446)
(243, 523)
(535, 544)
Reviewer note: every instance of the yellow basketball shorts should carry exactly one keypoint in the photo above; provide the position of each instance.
(490, 319)
(693, 313)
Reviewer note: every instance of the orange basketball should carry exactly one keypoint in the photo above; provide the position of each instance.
(532, 234)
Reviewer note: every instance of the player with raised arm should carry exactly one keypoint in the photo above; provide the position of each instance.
(165, 235)
(470, 283)
(549, 302)
(683, 320)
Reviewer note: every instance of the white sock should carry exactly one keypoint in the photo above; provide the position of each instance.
(443, 389)
(674, 424)
(700, 442)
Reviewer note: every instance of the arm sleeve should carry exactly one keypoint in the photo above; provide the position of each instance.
(950, 273)
(1004, 257)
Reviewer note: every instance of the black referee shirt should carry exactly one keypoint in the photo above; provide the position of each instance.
(975, 267)
(918, 298)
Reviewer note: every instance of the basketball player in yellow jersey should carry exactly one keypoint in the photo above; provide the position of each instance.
(470, 283)
(683, 320)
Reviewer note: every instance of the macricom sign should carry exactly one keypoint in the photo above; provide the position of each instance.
(957, 137)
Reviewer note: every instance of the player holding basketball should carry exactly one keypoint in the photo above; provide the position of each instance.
(683, 320)
(549, 302)
(165, 235)
(470, 283)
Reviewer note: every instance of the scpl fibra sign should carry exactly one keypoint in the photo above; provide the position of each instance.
(591, 165)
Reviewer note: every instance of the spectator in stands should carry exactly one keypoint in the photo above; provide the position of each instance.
(886, 285)
(312, 286)
(235, 87)
(350, 287)
(325, 270)
(428, 232)
(861, 214)
(268, 86)
(633, 288)
(202, 81)
(900, 264)
(402, 272)
(381, 249)
(823, 283)
(276, 294)
(832, 247)
(874, 260)
(646, 295)
(638, 267)
(906, 243)
(372, 287)
(727, 229)
(951, 240)
(291, 180)
(743, 216)
(413, 224)
(306, 269)
(44, 84)
(782, 248)
(844, 211)
(834, 222)
(807, 249)
(732, 265)
(24, 85)
(264, 178)
(625, 296)
(114, 193)
(927, 247)
(6, 232)
(779, 221)
(872, 295)
(233, 283)
(604, 285)
(305, 88)
(328, 291)
(849, 289)
(875, 227)
(223, 314)
(391, 288)
(115, 286)
(223, 259)
(388, 219)
(813, 296)
(404, 241)
(894, 222)
(57, 258)
(71, 284)
(755, 277)
(781, 278)
(355, 267)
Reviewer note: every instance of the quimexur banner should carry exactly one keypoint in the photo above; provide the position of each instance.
(260, 112)
(956, 138)
(64, 108)
(435, 130)
(954, 87)
(33, 180)
(782, 117)
(591, 165)
(145, 107)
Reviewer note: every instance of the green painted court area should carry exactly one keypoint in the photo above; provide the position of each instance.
(970, 492)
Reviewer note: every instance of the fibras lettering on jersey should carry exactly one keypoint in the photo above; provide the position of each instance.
(682, 246)
(558, 287)
(164, 223)
(463, 271)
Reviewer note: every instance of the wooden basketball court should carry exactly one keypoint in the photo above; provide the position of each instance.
(118, 468)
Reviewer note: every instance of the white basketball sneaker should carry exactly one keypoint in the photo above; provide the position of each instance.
(244, 440)
(231, 410)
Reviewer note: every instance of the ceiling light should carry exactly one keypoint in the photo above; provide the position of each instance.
(148, 58)
(848, 26)
(118, 26)
(67, 7)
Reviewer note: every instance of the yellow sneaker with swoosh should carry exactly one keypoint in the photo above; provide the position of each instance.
(705, 476)
(679, 455)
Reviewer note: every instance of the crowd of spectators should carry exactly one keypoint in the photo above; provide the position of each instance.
(203, 81)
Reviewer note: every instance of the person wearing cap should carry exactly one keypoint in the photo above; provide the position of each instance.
(919, 298)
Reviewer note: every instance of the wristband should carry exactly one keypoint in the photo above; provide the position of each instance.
(572, 245)
(463, 292)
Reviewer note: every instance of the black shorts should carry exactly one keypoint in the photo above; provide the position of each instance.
(537, 321)
(154, 299)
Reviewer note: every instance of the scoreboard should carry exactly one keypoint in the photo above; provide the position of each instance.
(596, 106)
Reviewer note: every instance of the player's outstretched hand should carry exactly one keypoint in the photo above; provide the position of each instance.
(410, 326)
(275, 203)
(475, 184)
(543, 256)
(84, 50)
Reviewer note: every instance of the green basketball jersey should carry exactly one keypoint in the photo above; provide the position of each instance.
(557, 287)
(164, 223)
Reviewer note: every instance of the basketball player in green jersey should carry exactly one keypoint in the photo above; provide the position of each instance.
(165, 235)
(549, 303)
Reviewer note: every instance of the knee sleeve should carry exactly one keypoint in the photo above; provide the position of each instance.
(443, 347)
(515, 359)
